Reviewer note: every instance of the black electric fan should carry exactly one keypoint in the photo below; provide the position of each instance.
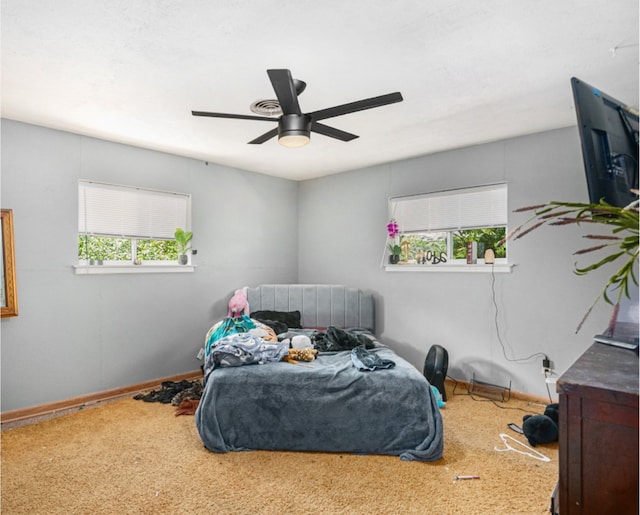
(435, 368)
(294, 126)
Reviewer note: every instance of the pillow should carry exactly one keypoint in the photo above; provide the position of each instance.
(278, 327)
(290, 318)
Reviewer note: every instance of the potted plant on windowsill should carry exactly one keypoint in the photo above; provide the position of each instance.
(622, 243)
(101, 251)
(183, 239)
(394, 247)
(394, 254)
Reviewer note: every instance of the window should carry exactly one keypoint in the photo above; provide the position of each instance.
(437, 227)
(122, 224)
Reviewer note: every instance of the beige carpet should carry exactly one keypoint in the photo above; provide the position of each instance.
(131, 457)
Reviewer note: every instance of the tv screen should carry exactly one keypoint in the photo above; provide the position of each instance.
(609, 137)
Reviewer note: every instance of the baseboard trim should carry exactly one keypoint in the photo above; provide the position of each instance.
(125, 391)
(90, 399)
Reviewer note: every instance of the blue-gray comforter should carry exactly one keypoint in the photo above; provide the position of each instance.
(326, 405)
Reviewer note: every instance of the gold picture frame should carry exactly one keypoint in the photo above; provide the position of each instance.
(9, 291)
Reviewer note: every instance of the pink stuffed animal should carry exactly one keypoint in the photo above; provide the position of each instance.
(239, 305)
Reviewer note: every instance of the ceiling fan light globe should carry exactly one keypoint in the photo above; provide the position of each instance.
(293, 140)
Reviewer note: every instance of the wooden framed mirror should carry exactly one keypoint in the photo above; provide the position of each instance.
(9, 292)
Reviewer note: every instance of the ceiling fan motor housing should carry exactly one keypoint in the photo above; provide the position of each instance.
(294, 125)
(294, 130)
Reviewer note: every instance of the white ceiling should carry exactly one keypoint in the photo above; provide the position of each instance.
(470, 72)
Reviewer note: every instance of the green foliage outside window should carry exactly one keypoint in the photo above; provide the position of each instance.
(489, 238)
(150, 250)
(121, 249)
(420, 243)
(100, 247)
(416, 245)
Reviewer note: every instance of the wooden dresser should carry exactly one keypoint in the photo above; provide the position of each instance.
(598, 426)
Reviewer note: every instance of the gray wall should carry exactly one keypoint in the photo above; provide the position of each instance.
(82, 334)
(342, 239)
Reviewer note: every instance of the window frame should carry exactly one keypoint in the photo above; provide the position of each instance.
(424, 203)
(134, 194)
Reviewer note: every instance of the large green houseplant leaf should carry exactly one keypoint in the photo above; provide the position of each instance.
(183, 238)
(620, 246)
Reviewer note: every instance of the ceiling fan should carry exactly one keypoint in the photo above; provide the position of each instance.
(294, 126)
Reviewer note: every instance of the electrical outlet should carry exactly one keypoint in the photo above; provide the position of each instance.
(546, 366)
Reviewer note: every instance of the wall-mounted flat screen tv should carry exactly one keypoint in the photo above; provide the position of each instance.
(609, 138)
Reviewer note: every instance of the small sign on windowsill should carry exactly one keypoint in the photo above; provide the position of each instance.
(472, 252)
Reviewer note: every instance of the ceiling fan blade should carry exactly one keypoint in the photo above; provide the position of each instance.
(285, 91)
(360, 105)
(332, 132)
(265, 137)
(236, 116)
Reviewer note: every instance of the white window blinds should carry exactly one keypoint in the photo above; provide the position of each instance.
(469, 208)
(128, 212)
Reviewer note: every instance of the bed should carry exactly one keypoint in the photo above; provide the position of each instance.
(328, 404)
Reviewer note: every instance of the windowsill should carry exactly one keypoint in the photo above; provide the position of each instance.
(173, 268)
(498, 268)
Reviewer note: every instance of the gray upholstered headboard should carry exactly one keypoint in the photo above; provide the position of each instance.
(321, 305)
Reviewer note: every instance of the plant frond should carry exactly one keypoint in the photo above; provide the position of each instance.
(530, 208)
(601, 237)
(590, 249)
(527, 231)
(595, 266)
(623, 222)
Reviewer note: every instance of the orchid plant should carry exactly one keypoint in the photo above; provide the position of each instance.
(622, 243)
(393, 230)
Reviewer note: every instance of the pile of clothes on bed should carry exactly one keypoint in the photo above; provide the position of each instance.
(265, 336)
